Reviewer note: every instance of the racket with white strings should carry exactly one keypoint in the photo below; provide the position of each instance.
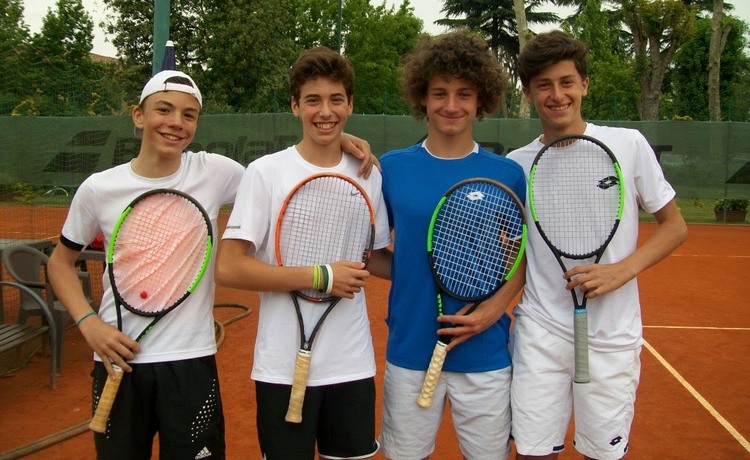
(576, 195)
(476, 240)
(157, 255)
(326, 218)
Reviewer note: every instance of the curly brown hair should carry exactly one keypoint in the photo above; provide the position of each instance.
(550, 48)
(458, 54)
(321, 62)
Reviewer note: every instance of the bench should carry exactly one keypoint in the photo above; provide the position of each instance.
(19, 342)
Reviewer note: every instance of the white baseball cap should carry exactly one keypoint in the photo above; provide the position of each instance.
(159, 83)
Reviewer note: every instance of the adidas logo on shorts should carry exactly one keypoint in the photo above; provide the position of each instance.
(204, 453)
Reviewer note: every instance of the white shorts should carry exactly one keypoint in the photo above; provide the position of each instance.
(543, 395)
(480, 411)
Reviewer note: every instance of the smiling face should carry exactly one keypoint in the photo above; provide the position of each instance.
(323, 108)
(557, 93)
(169, 120)
(451, 106)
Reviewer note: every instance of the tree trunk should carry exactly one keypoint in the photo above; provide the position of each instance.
(716, 48)
(523, 34)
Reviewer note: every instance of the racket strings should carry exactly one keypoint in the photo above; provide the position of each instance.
(327, 219)
(159, 252)
(576, 197)
(476, 239)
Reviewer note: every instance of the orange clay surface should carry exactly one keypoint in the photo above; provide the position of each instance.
(693, 400)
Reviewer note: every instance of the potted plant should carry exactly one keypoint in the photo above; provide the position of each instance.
(731, 209)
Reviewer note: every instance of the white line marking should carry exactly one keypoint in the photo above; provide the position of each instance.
(743, 442)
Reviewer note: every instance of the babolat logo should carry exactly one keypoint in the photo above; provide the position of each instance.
(607, 182)
(84, 152)
(615, 441)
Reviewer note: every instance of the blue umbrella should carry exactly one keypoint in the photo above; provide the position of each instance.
(168, 62)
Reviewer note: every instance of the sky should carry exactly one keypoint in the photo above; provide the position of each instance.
(427, 10)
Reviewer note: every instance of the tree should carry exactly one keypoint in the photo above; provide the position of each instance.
(613, 90)
(719, 34)
(14, 37)
(519, 8)
(14, 34)
(246, 57)
(66, 36)
(495, 20)
(131, 24)
(658, 29)
(688, 77)
(376, 57)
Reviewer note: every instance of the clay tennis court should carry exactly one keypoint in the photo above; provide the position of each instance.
(693, 399)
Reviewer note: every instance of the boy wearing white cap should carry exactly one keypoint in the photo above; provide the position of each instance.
(171, 384)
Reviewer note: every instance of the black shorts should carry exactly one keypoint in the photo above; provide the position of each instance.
(179, 399)
(340, 418)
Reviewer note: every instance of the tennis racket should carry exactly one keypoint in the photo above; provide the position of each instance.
(576, 199)
(475, 242)
(326, 218)
(158, 253)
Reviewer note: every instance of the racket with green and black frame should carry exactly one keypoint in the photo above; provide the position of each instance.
(475, 242)
(576, 196)
(159, 250)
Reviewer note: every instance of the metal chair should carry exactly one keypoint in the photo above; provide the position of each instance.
(14, 335)
(28, 267)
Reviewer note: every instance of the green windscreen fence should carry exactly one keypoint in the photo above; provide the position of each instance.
(47, 157)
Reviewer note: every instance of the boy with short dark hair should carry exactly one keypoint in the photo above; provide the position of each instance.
(338, 415)
(552, 68)
(182, 347)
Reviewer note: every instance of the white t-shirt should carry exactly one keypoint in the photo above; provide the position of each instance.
(342, 350)
(614, 318)
(187, 331)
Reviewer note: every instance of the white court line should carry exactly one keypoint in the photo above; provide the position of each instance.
(707, 328)
(743, 442)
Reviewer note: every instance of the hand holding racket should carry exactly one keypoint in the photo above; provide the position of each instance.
(158, 253)
(576, 196)
(326, 218)
(475, 242)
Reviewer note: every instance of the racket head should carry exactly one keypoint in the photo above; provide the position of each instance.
(476, 239)
(326, 218)
(576, 195)
(159, 251)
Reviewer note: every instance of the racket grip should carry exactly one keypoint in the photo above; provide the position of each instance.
(433, 375)
(297, 397)
(106, 400)
(581, 338)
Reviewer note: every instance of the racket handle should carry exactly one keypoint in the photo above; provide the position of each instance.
(297, 397)
(433, 375)
(581, 343)
(106, 400)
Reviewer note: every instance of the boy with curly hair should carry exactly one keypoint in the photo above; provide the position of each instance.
(451, 81)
